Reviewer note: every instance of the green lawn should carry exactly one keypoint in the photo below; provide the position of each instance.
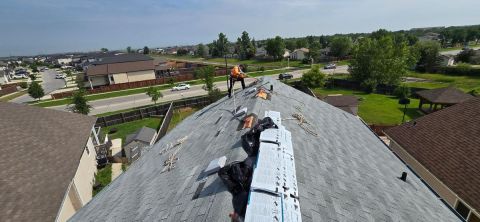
(465, 83)
(103, 177)
(179, 115)
(125, 129)
(13, 96)
(377, 108)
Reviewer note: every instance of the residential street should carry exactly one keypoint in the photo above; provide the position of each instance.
(49, 85)
(455, 52)
(131, 101)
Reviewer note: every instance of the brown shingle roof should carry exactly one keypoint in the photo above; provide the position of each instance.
(341, 101)
(123, 67)
(448, 95)
(40, 153)
(447, 143)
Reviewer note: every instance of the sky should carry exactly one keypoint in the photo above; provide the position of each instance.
(30, 27)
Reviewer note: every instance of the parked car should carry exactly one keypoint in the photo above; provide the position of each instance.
(19, 76)
(330, 66)
(283, 76)
(181, 86)
(60, 76)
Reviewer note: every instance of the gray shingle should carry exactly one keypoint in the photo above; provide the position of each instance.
(345, 173)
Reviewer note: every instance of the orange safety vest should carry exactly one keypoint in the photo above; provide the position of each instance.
(235, 73)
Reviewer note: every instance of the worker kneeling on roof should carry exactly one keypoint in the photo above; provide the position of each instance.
(236, 75)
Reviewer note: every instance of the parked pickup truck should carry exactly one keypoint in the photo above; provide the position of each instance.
(181, 86)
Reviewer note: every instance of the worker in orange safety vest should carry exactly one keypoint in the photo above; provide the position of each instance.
(236, 74)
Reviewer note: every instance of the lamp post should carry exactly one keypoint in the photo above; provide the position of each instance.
(405, 102)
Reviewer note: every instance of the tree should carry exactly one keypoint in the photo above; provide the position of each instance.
(201, 51)
(68, 73)
(35, 90)
(380, 61)
(104, 50)
(245, 47)
(313, 78)
(301, 43)
(221, 45)
(314, 51)
(32, 77)
(182, 52)
(340, 46)
(146, 50)
(207, 74)
(79, 103)
(290, 45)
(310, 40)
(465, 56)
(428, 53)
(129, 49)
(323, 41)
(154, 93)
(275, 47)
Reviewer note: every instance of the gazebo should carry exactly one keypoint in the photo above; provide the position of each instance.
(440, 98)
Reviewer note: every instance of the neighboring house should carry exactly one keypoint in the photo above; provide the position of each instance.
(299, 54)
(64, 61)
(338, 169)
(439, 98)
(443, 149)
(134, 143)
(261, 52)
(446, 60)
(430, 36)
(120, 69)
(347, 103)
(48, 163)
(162, 67)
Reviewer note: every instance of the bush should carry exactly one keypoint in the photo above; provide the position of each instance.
(23, 85)
(402, 92)
(261, 69)
(313, 78)
(369, 85)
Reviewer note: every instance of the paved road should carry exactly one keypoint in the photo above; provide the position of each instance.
(131, 101)
(455, 52)
(49, 85)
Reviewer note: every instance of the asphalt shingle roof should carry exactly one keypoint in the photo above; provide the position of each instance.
(123, 58)
(448, 95)
(446, 142)
(144, 134)
(344, 174)
(40, 150)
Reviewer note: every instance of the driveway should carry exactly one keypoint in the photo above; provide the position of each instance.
(131, 101)
(49, 84)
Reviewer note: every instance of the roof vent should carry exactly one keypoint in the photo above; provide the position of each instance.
(241, 112)
(403, 177)
(215, 165)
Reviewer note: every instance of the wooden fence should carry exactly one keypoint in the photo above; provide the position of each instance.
(147, 112)
(7, 90)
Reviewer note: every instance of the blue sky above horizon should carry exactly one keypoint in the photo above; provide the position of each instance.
(32, 27)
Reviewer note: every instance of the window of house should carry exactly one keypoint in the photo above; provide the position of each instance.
(462, 209)
(474, 218)
(111, 79)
